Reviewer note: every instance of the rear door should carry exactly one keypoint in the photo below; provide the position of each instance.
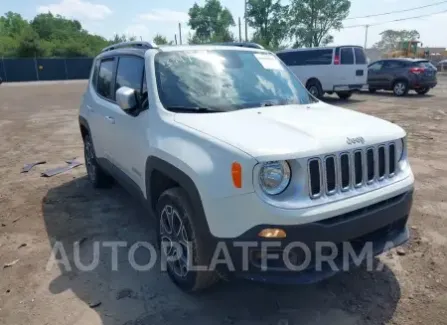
(102, 100)
(361, 66)
(344, 74)
(391, 70)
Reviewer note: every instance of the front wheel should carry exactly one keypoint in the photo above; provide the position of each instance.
(344, 94)
(400, 88)
(180, 244)
(422, 91)
(314, 87)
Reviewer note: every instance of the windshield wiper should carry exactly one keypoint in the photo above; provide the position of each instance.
(193, 109)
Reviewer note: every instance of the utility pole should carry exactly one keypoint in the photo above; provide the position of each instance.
(246, 22)
(366, 36)
(180, 32)
(175, 37)
(240, 30)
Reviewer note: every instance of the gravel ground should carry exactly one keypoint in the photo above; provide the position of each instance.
(39, 122)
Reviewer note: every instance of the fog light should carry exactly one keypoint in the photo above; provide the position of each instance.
(272, 233)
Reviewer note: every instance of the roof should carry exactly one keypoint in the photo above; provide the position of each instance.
(316, 48)
(209, 47)
(404, 59)
(127, 50)
(140, 51)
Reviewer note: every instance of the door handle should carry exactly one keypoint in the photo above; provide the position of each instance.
(110, 119)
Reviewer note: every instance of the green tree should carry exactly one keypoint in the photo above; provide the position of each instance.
(391, 38)
(269, 19)
(29, 44)
(161, 40)
(122, 38)
(210, 23)
(311, 20)
(12, 24)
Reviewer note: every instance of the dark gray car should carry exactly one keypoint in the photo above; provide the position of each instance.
(402, 75)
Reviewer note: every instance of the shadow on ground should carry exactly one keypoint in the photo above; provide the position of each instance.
(76, 212)
(382, 93)
(334, 100)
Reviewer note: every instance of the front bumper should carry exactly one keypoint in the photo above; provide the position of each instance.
(375, 228)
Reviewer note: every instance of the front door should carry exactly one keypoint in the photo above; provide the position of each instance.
(130, 137)
(374, 74)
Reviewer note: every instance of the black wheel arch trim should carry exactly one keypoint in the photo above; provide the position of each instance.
(199, 219)
(83, 123)
(400, 79)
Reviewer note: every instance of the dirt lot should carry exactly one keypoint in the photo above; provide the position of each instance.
(39, 122)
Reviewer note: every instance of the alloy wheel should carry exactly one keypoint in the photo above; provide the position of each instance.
(174, 240)
(399, 88)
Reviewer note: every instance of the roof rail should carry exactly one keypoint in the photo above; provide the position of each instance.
(241, 44)
(138, 44)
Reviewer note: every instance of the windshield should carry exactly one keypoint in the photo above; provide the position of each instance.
(225, 80)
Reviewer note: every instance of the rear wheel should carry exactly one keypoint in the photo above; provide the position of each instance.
(344, 94)
(314, 87)
(180, 242)
(96, 175)
(400, 88)
(422, 91)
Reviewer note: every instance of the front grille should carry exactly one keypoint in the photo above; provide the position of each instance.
(348, 170)
(344, 168)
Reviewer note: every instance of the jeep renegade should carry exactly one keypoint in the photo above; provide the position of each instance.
(223, 144)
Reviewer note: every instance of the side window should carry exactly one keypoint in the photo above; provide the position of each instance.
(360, 57)
(287, 58)
(347, 57)
(376, 66)
(104, 85)
(130, 73)
(393, 64)
(319, 57)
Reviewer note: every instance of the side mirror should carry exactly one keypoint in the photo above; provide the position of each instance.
(126, 98)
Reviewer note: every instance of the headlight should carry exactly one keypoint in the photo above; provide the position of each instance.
(274, 177)
(400, 147)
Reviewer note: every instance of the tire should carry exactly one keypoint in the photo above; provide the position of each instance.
(400, 88)
(344, 94)
(422, 91)
(314, 87)
(372, 90)
(175, 224)
(96, 175)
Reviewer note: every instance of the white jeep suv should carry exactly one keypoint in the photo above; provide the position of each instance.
(239, 163)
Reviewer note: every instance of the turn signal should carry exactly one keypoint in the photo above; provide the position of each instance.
(236, 174)
(272, 233)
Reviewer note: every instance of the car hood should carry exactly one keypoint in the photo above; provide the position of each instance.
(293, 131)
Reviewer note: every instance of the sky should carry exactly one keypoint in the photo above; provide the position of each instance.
(147, 18)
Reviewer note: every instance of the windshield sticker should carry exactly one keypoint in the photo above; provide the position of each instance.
(269, 61)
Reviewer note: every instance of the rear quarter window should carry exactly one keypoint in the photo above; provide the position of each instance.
(360, 57)
(347, 56)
